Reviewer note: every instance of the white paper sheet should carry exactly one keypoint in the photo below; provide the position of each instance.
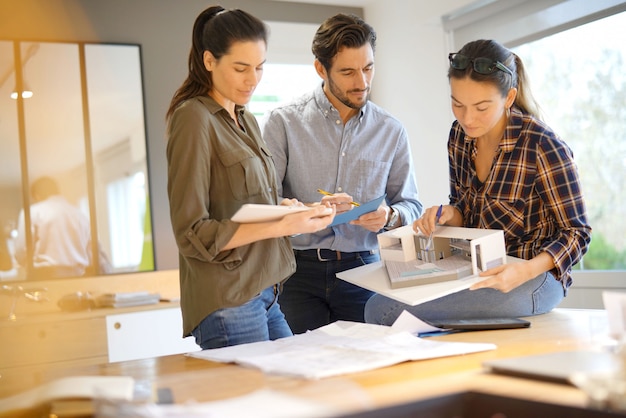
(252, 212)
(339, 348)
(91, 387)
(412, 324)
(258, 404)
(374, 277)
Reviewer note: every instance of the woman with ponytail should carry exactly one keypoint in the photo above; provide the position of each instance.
(230, 273)
(508, 171)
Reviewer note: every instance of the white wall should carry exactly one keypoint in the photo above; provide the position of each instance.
(411, 82)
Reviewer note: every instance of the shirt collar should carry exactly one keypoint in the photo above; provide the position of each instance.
(513, 130)
(326, 107)
(215, 107)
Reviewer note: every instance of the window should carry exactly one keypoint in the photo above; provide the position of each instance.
(578, 77)
(281, 83)
(127, 209)
(83, 126)
(288, 72)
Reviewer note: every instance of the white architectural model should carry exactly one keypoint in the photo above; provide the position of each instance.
(451, 253)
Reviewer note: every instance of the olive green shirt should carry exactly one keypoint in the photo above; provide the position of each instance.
(214, 167)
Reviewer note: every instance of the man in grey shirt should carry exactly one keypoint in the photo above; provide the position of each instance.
(336, 140)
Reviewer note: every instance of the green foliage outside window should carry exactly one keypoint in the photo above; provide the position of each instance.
(580, 84)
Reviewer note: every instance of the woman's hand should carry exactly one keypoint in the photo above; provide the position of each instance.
(308, 221)
(509, 276)
(299, 222)
(428, 222)
(291, 202)
(504, 278)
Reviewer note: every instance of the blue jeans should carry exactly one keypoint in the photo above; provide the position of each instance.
(536, 296)
(259, 319)
(314, 296)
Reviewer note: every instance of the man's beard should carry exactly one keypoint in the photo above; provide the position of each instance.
(343, 99)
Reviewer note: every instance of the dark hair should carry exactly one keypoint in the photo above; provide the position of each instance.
(341, 31)
(502, 80)
(215, 30)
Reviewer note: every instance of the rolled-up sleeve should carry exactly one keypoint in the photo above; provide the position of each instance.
(198, 234)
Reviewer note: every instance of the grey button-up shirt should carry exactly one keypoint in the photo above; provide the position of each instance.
(366, 157)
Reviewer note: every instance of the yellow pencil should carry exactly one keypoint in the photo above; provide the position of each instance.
(325, 193)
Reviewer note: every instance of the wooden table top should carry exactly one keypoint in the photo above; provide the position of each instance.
(200, 380)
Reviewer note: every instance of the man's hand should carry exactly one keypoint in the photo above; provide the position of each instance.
(373, 221)
(342, 202)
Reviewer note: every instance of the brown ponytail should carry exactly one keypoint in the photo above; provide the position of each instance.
(524, 99)
(214, 30)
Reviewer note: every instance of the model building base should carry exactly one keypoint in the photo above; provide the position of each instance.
(451, 253)
(417, 272)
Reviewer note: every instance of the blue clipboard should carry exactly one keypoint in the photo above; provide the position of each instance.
(357, 211)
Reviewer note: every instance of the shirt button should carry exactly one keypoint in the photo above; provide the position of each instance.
(339, 189)
(343, 154)
(269, 189)
(338, 121)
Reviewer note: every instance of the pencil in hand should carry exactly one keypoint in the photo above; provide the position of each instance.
(325, 193)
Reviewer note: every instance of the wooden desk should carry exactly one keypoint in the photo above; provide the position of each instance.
(200, 380)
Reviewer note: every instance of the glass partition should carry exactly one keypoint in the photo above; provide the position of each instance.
(81, 134)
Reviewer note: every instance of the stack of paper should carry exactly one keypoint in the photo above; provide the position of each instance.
(127, 299)
(339, 348)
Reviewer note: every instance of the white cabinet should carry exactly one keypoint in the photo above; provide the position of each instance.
(145, 334)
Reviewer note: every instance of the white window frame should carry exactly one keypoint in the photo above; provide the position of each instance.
(515, 22)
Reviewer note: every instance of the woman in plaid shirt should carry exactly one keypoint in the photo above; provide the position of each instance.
(508, 171)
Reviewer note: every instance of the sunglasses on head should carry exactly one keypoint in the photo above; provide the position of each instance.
(481, 65)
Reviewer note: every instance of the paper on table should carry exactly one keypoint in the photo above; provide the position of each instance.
(127, 299)
(410, 323)
(339, 348)
(357, 211)
(109, 387)
(282, 406)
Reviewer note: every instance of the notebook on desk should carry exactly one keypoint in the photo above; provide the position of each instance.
(554, 367)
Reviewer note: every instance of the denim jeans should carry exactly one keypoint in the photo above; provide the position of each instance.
(314, 296)
(259, 319)
(536, 296)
